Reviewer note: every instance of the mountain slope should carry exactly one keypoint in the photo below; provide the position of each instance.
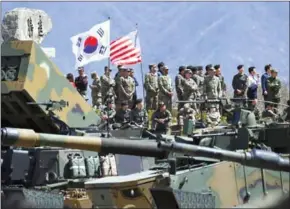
(228, 33)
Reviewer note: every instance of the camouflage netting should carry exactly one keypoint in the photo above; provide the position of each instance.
(26, 24)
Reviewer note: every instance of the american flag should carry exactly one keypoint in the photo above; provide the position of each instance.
(126, 50)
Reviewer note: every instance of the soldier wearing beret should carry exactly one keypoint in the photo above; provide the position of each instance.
(273, 87)
(139, 114)
(161, 119)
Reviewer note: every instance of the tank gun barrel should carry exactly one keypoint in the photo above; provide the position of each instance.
(255, 158)
(28, 138)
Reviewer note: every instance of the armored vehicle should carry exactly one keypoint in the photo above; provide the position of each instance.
(36, 96)
(201, 181)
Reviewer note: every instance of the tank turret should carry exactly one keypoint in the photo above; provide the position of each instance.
(255, 158)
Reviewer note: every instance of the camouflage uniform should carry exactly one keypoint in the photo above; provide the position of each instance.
(152, 90)
(161, 127)
(186, 113)
(108, 85)
(190, 89)
(126, 89)
(273, 86)
(223, 85)
(213, 117)
(123, 116)
(139, 116)
(165, 86)
(96, 91)
(212, 89)
(179, 88)
(269, 114)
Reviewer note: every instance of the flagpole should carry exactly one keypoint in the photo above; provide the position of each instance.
(142, 74)
(109, 61)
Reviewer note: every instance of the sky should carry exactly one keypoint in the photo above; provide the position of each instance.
(177, 33)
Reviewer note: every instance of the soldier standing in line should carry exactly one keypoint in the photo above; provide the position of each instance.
(108, 85)
(196, 78)
(117, 79)
(126, 88)
(96, 91)
(264, 78)
(123, 114)
(81, 83)
(161, 119)
(178, 85)
(165, 86)
(222, 79)
(189, 86)
(201, 79)
(273, 87)
(152, 89)
(139, 114)
(212, 85)
(136, 84)
(239, 85)
(253, 83)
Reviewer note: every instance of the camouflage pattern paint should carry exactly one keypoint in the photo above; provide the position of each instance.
(40, 80)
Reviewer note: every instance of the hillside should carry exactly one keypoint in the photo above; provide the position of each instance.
(228, 33)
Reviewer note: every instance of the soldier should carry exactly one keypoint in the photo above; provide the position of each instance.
(161, 119)
(264, 78)
(178, 85)
(239, 84)
(117, 77)
(189, 86)
(108, 113)
(269, 112)
(213, 117)
(123, 114)
(126, 88)
(165, 86)
(273, 87)
(201, 79)
(136, 84)
(139, 114)
(212, 85)
(81, 83)
(151, 87)
(222, 79)
(96, 91)
(186, 113)
(107, 84)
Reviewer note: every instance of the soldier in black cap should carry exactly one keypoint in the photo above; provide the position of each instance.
(139, 114)
(161, 119)
(178, 85)
(239, 84)
(123, 114)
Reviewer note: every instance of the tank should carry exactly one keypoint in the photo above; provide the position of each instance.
(199, 181)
